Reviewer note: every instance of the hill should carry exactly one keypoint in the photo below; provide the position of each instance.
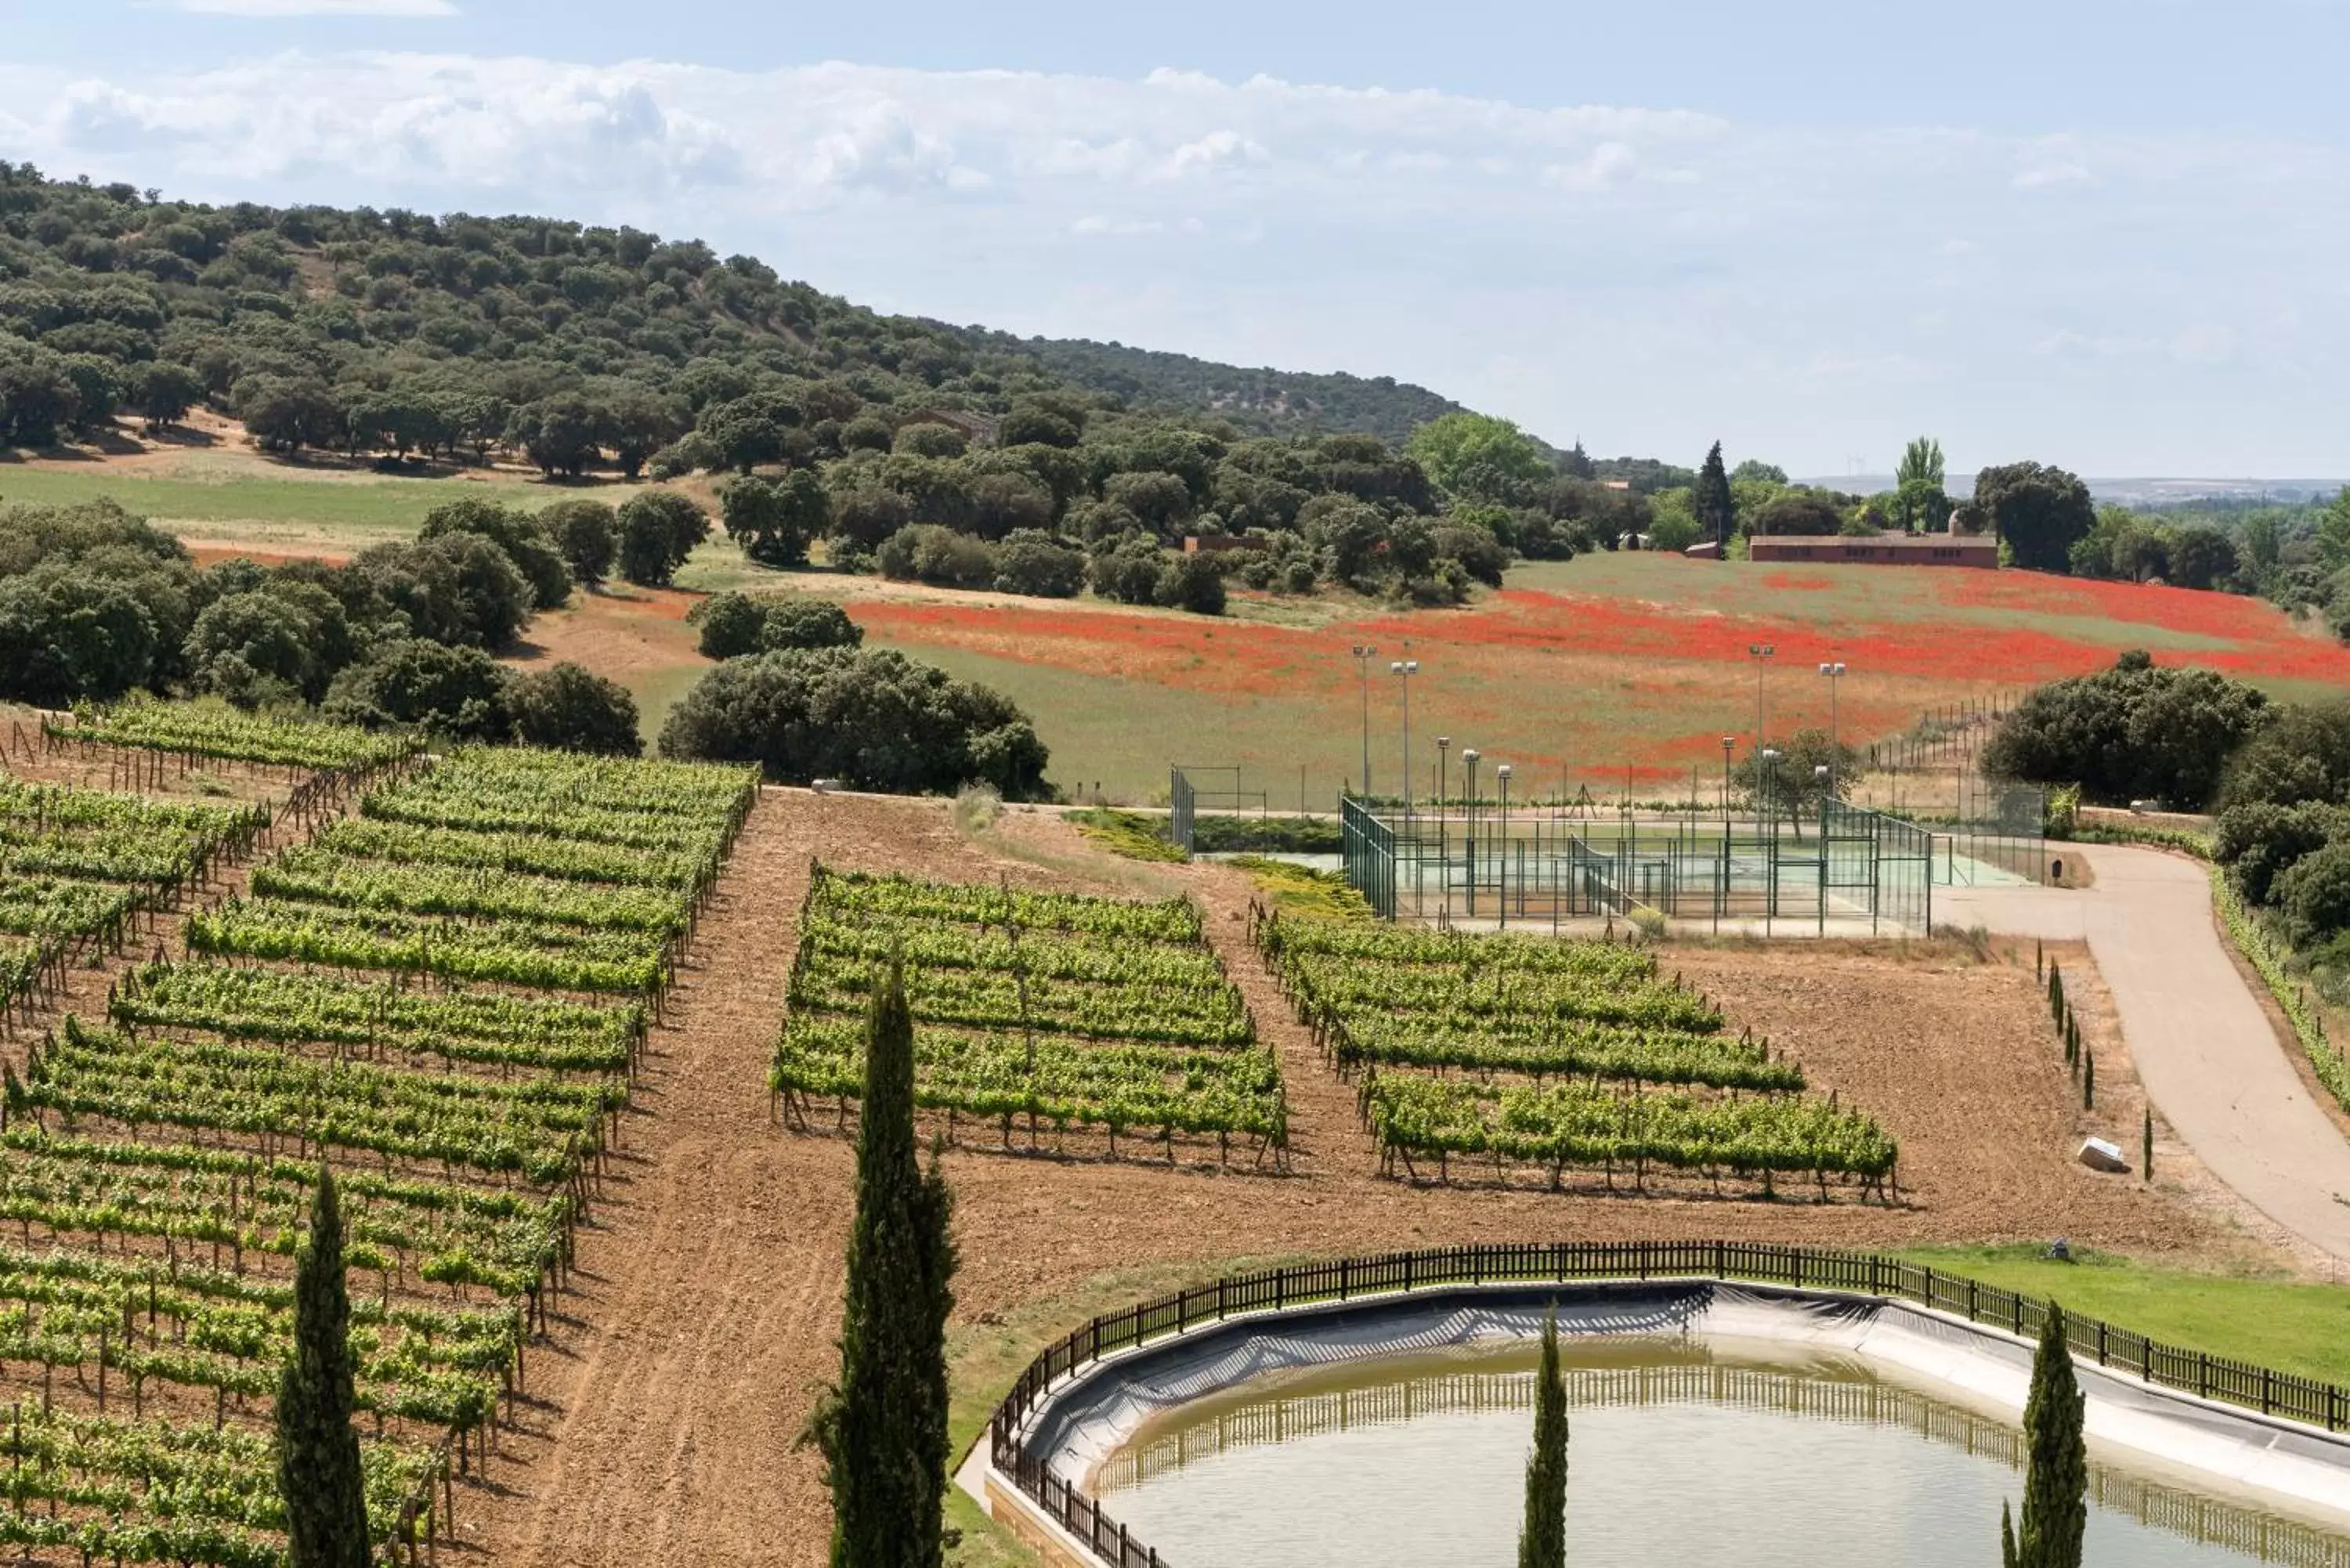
(409, 332)
(1263, 401)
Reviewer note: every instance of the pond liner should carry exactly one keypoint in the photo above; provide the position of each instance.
(1079, 1427)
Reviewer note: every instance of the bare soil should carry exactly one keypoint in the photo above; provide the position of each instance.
(662, 1422)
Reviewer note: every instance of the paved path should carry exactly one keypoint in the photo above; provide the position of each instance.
(2205, 1050)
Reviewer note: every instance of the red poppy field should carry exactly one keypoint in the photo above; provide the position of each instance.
(1602, 669)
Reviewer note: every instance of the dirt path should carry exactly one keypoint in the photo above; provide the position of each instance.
(663, 1419)
(707, 1287)
(2205, 1050)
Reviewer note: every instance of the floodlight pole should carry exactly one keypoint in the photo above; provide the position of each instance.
(1503, 773)
(1364, 653)
(1721, 886)
(1469, 756)
(1443, 862)
(1761, 653)
(1833, 673)
(1403, 670)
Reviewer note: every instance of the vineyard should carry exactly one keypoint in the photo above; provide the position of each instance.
(470, 986)
(1521, 1050)
(1034, 1014)
(214, 732)
(79, 869)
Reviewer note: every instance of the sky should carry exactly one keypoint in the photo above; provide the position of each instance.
(2098, 233)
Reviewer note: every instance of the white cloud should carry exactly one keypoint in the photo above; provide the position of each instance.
(2205, 343)
(1573, 264)
(2042, 175)
(317, 7)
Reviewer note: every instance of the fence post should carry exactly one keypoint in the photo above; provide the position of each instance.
(1346, 1276)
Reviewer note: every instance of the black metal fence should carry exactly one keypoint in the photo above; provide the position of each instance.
(2254, 1387)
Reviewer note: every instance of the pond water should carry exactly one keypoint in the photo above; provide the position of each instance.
(1681, 1453)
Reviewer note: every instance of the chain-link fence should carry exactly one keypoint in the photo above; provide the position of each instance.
(1848, 870)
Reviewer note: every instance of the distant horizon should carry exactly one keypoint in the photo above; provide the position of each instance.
(1961, 482)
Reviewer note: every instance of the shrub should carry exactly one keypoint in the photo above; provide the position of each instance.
(866, 433)
(522, 537)
(2302, 754)
(66, 634)
(586, 534)
(734, 624)
(1162, 500)
(730, 624)
(459, 588)
(2314, 894)
(254, 649)
(806, 623)
(875, 719)
(2260, 842)
(929, 553)
(1192, 583)
(1129, 572)
(459, 692)
(658, 530)
(683, 456)
(2129, 732)
(924, 439)
(775, 520)
(1032, 562)
(1481, 554)
(867, 515)
(574, 710)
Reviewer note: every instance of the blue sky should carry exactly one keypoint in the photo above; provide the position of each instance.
(2102, 235)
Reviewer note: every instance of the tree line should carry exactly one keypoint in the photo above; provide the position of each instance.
(96, 605)
(2275, 774)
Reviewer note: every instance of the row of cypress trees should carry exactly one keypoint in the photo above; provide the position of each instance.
(882, 1428)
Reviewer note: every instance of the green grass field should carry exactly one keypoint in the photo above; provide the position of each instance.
(2278, 1324)
(1616, 672)
(237, 497)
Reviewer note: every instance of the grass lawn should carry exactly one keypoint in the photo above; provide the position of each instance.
(2282, 1324)
(280, 509)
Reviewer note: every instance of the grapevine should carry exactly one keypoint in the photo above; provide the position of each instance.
(1048, 1009)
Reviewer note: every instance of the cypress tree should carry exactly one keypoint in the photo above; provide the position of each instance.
(2057, 1483)
(2145, 1146)
(882, 1429)
(2088, 1082)
(2006, 1535)
(1716, 508)
(317, 1453)
(1542, 1540)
